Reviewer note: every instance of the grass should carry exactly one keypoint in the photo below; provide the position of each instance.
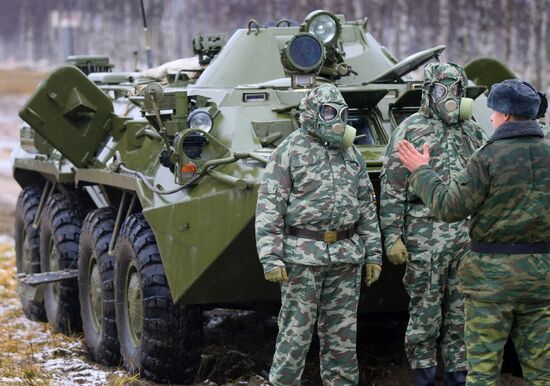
(16, 354)
(19, 81)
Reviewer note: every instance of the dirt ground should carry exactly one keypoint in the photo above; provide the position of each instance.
(238, 345)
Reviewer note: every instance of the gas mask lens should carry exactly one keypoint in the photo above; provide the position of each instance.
(456, 89)
(329, 113)
(439, 90)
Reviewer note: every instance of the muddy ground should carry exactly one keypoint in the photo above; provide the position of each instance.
(238, 345)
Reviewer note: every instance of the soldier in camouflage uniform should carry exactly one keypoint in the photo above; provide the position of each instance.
(506, 275)
(431, 249)
(315, 226)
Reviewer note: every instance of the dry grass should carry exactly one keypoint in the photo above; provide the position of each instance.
(19, 81)
(16, 354)
(126, 380)
(26, 346)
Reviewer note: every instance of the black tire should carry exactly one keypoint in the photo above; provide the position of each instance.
(158, 339)
(59, 235)
(96, 287)
(27, 246)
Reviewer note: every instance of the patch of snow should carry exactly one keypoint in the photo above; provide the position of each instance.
(218, 315)
(15, 381)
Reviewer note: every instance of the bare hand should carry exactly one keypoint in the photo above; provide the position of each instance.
(410, 157)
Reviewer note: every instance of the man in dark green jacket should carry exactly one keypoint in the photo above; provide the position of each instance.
(506, 276)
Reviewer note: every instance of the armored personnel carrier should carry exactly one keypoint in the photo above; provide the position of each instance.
(138, 198)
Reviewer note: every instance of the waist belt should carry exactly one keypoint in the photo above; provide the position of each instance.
(326, 236)
(514, 249)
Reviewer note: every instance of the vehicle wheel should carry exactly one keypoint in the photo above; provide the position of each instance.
(158, 339)
(27, 246)
(96, 288)
(59, 235)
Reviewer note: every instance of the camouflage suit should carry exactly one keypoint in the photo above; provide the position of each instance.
(314, 187)
(434, 247)
(505, 190)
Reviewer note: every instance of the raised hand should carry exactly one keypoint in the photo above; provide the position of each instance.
(410, 157)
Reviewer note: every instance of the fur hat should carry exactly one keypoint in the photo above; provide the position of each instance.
(514, 97)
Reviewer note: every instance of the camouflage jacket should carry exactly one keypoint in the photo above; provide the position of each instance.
(505, 190)
(308, 186)
(450, 148)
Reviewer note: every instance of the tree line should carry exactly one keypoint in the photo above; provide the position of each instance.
(40, 31)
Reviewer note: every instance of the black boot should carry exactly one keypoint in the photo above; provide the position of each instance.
(455, 378)
(424, 377)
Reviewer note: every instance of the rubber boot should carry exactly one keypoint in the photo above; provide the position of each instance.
(424, 377)
(455, 378)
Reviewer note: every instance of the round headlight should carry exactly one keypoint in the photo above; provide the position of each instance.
(303, 53)
(324, 25)
(200, 119)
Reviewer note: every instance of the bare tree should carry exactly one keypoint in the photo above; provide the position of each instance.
(403, 29)
(357, 9)
(505, 34)
(540, 26)
(444, 22)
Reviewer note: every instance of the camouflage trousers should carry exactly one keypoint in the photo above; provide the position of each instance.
(488, 325)
(329, 296)
(436, 308)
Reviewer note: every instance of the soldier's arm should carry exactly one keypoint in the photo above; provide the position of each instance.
(270, 210)
(480, 134)
(462, 197)
(367, 227)
(393, 188)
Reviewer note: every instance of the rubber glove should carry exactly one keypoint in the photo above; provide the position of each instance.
(276, 275)
(372, 273)
(398, 253)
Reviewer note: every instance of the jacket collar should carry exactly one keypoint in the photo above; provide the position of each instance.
(517, 129)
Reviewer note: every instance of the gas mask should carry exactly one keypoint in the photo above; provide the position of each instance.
(448, 101)
(332, 128)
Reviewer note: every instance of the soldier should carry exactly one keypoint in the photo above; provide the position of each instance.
(431, 249)
(506, 274)
(315, 223)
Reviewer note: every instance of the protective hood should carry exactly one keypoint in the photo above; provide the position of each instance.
(450, 108)
(333, 132)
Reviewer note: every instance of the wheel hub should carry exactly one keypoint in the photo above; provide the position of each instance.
(134, 305)
(96, 295)
(53, 265)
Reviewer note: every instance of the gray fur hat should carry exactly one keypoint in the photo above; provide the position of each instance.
(514, 97)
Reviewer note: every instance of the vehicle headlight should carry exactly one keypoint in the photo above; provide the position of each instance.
(200, 119)
(303, 53)
(324, 25)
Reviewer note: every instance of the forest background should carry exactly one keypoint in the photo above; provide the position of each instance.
(42, 32)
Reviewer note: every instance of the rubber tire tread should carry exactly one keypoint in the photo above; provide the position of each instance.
(25, 212)
(62, 221)
(171, 336)
(95, 238)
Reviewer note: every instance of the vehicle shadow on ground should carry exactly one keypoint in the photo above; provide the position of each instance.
(239, 347)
